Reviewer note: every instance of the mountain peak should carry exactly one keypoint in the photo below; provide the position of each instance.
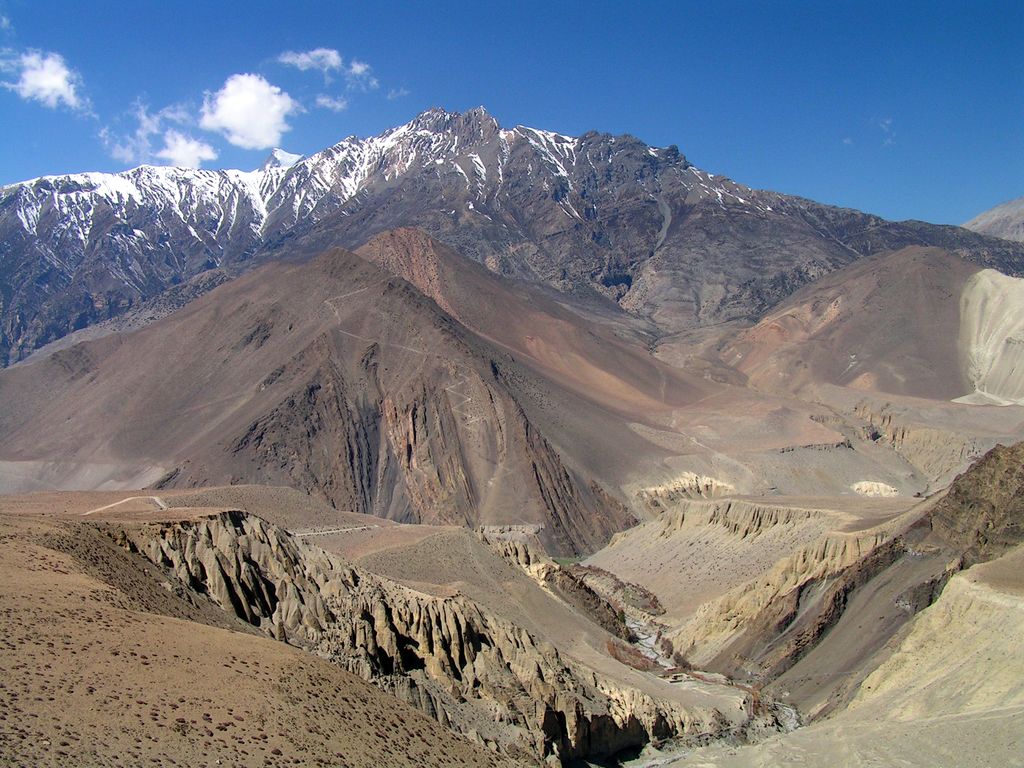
(278, 158)
(438, 118)
(1005, 220)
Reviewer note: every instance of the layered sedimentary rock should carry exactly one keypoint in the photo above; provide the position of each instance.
(688, 485)
(936, 451)
(949, 693)
(768, 605)
(835, 603)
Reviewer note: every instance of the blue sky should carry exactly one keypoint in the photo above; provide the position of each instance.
(905, 109)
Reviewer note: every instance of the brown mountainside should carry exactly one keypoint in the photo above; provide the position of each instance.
(888, 323)
(103, 662)
(331, 377)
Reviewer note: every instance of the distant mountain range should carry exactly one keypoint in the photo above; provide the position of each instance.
(604, 218)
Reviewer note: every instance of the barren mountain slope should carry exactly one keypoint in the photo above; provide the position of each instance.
(335, 378)
(889, 323)
(339, 379)
(592, 348)
(331, 377)
(894, 347)
(1005, 220)
(919, 322)
(732, 440)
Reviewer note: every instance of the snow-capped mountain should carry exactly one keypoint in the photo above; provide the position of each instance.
(278, 158)
(596, 213)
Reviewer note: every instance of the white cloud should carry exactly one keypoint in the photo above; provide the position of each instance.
(359, 74)
(5, 23)
(250, 112)
(184, 151)
(847, 141)
(46, 78)
(137, 147)
(397, 93)
(333, 103)
(888, 131)
(323, 59)
(358, 68)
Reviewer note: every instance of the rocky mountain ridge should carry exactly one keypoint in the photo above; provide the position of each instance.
(603, 217)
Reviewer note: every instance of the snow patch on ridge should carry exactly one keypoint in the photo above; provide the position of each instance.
(280, 159)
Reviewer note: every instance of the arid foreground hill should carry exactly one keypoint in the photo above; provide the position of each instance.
(105, 662)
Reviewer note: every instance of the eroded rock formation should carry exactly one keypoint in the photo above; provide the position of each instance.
(474, 671)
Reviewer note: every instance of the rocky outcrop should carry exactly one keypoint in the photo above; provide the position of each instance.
(422, 439)
(474, 671)
(936, 452)
(567, 584)
(688, 485)
(982, 514)
(583, 515)
(740, 518)
(302, 438)
(397, 455)
(622, 595)
(766, 606)
(873, 488)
